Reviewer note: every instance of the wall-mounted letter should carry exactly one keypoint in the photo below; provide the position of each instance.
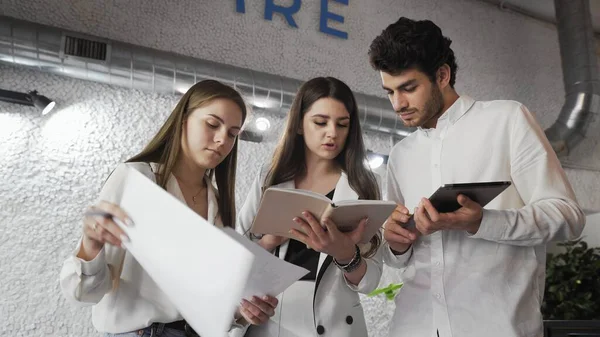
(287, 12)
(240, 6)
(327, 15)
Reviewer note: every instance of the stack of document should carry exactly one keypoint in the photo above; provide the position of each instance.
(204, 270)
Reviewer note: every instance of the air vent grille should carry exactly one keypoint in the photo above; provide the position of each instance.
(79, 47)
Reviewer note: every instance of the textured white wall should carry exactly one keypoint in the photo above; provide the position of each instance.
(53, 166)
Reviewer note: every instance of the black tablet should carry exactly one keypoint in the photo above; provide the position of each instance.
(444, 199)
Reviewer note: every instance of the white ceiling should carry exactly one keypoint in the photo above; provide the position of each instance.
(545, 9)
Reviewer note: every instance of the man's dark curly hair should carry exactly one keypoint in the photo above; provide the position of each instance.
(409, 44)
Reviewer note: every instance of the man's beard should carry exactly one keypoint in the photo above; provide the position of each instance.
(434, 106)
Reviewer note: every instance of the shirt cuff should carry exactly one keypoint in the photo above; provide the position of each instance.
(93, 267)
(363, 282)
(492, 227)
(396, 261)
(239, 323)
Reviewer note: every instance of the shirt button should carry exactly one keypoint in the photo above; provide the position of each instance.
(438, 296)
(320, 330)
(437, 263)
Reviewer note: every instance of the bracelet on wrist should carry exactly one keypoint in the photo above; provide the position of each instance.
(353, 264)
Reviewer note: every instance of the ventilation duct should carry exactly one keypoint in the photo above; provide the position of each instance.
(85, 57)
(582, 86)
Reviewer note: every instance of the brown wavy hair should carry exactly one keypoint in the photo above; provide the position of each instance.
(289, 158)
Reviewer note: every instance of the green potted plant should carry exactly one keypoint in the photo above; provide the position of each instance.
(573, 283)
(572, 295)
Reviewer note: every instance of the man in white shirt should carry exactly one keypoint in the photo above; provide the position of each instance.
(473, 272)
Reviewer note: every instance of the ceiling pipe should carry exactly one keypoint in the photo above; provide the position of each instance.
(62, 52)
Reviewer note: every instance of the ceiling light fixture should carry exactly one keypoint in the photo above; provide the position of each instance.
(262, 124)
(31, 98)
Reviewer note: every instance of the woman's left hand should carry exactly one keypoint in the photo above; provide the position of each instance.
(328, 240)
(258, 310)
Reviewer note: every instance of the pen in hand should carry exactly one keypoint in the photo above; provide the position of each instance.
(98, 213)
(108, 216)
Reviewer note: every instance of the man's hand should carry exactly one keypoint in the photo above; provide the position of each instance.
(468, 218)
(399, 238)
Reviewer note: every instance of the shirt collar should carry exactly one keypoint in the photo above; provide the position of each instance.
(454, 112)
(212, 196)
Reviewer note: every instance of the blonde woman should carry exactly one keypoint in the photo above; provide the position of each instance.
(197, 143)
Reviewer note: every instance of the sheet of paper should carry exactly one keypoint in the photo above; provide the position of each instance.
(201, 270)
(269, 275)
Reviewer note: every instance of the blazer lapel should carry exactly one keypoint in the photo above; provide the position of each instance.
(323, 267)
(343, 191)
(324, 262)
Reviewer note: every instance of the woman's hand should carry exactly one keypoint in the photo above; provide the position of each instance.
(100, 227)
(257, 311)
(329, 240)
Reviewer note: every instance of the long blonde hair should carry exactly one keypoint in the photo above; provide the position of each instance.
(165, 146)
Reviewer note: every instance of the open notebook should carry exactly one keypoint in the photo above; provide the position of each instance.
(279, 206)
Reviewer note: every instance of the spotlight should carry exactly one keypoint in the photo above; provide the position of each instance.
(265, 102)
(41, 102)
(375, 161)
(31, 98)
(182, 89)
(262, 124)
(251, 136)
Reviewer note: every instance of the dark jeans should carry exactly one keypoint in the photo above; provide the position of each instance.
(155, 330)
